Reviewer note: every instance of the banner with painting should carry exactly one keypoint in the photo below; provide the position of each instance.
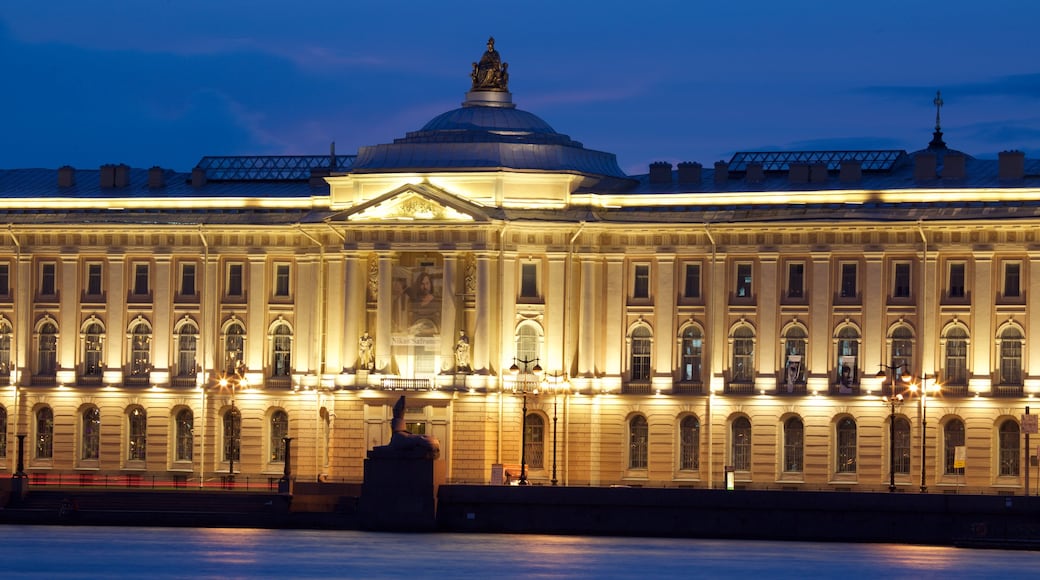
(417, 288)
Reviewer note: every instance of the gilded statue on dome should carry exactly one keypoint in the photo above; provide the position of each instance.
(490, 73)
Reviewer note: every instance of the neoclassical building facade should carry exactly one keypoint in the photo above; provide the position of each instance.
(849, 320)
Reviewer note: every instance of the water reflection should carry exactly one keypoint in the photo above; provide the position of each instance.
(85, 552)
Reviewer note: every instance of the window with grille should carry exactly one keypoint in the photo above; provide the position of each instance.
(641, 354)
(138, 435)
(956, 357)
(44, 446)
(638, 434)
(90, 439)
(692, 346)
(846, 451)
(1010, 452)
(743, 370)
(281, 345)
(93, 350)
(689, 443)
(901, 446)
(1011, 357)
(187, 344)
(535, 441)
(279, 431)
(740, 445)
(794, 445)
(953, 437)
(185, 435)
(46, 350)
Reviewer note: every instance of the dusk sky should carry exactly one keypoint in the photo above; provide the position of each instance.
(165, 82)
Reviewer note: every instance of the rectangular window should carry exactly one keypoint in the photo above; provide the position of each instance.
(5, 279)
(140, 279)
(1012, 279)
(187, 280)
(641, 286)
(743, 280)
(901, 288)
(48, 278)
(94, 279)
(234, 280)
(848, 280)
(529, 280)
(795, 280)
(692, 287)
(281, 280)
(955, 286)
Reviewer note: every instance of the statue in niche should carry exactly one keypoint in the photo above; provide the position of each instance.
(462, 353)
(366, 352)
(490, 74)
(403, 443)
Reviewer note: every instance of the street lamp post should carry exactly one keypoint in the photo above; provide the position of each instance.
(892, 399)
(232, 382)
(515, 370)
(923, 402)
(555, 389)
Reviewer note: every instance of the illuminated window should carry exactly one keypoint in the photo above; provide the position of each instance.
(528, 344)
(1010, 357)
(796, 280)
(279, 431)
(185, 428)
(901, 460)
(141, 350)
(281, 347)
(848, 357)
(5, 352)
(846, 450)
(90, 436)
(3, 432)
(690, 443)
(956, 356)
(901, 286)
(281, 280)
(794, 356)
(136, 443)
(641, 282)
(187, 345)
(848, 280)
(93, 350)
(955, 285)
(535, 440)
(743, 365)
(743, 289)
(953, 437)
(794, 445)
(232, 422)
(44, 448)
(640, 362)
(1010, 452)
(902, 349)
(1012, 279)
(638, 434)
(234, 346)
(740, 445)
(692, 347)
(46, 350)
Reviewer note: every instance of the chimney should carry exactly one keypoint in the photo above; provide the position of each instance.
(660, 172)
(122, 175)
(156, 179)
(198, 177)
(689, 172)
(953, 166)
(108, 175)
(924, 167)
(66, 176)
(755, 174)
(721, 173)
(850, 171)
(1011, 165)
(818, 173)
(798, 173)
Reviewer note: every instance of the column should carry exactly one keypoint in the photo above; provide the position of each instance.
(353, 309)
(982, 300)
(587, 318)
(767, 296)
(1031, 357)
(820, 323)
(872, 287)
(481, 347)
(161, 323)
(664, 308)
(611, 325)
(450, 325)
(24, 333)
(68, 318)
(555, 314)
(256, 318)
(335, 289)
(382, 331)
(115, 319)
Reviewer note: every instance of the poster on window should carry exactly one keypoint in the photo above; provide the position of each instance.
(416, 294)
(846, 373)
(794, 372)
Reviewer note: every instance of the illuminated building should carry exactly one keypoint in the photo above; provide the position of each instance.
(700, 319)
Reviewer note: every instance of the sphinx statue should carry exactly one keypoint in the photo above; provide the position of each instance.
(404, 444)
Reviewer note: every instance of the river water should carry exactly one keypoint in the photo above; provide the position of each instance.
(110, 552)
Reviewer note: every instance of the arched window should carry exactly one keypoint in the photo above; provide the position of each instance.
(279, 431)
(741, 444)
(953, 437)
(137, 435)
(281, 345)
(232, 434)
(901, 461)
(47, 350)
(1009, 449)
(794, 445)
(234, 346)
(846, 451)
(90, 440)
(44, 433)
(903, 349)
(185, 428)
(528, 343)
(690, 443)
(638, 434)
(848, 357)
(141, 350)
(794, 357)
(692, 346)
(1011, 357)
(93, 350)
(743, 368)
(187, 346)
(640, 364)
(3, 432)
(535, 451)
(956, 356)
(5, 352)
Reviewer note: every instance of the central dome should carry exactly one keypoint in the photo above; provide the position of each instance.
(482, 118)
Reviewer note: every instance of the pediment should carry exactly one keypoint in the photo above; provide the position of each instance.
(416, 202)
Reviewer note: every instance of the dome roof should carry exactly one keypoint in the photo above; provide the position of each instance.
(475, 118)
